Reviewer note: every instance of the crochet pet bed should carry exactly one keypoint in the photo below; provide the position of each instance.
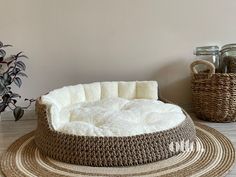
(110, 124)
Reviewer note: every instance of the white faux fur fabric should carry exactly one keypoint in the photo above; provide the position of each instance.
(120, 117)
(101, 90)
(146, 89)
(109, 90)
(61, 101)
(92, 91)
(127, 90)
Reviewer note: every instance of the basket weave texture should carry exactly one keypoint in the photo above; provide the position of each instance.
(214, 95)
(108, 151)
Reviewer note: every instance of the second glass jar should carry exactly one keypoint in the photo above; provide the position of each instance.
(228, 58)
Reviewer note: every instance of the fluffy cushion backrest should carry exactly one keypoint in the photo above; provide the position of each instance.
(127, 90)
(77, 93)
(92, 91)
(146, 89)
(58, 101)
(109, 90)
(70, 95)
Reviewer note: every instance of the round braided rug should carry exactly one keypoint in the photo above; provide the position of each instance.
(214, 155)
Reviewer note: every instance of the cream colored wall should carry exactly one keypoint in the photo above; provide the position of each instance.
(79, 41)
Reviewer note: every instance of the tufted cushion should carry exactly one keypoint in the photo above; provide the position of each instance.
(100, 90)
(92, 91)
(127, 90)
(60, 100)
(59, 97)
(109, 90)
(77, 93)
(146, 89)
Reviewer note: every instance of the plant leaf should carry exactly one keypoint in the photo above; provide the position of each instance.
(6, 98)
(17, 55)
(15, 71)
(7, 45)
(5, 76)
(21, 65)
(2, 90)
(2, 107)
(2, 86)
(23, 56)
(17, 81)
(2, 81)
(14, 101)
(22, 74)
(2, 53)
(14, 95)
(18, 113)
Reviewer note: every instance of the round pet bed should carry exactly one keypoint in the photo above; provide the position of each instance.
(214, 155)
(104, 150)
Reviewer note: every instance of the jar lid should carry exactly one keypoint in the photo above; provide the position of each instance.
(228, 47)
(207, 50)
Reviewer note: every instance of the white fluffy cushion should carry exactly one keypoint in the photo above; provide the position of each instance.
(122, 117)
(61, 101)
(127, 90)
(95, 91)
(109, 90)
(77, 93)
(92, 91)
(146, 89)
(59, 97)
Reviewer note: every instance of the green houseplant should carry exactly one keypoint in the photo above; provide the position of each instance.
(11, 72)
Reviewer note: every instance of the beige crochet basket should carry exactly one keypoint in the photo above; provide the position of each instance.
(109, 151)
(213, 94)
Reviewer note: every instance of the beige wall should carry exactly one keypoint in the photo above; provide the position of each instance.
(78, 41)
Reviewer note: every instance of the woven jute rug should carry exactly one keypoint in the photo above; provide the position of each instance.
(213, 155)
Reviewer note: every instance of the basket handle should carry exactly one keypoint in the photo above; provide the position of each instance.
(207, 63)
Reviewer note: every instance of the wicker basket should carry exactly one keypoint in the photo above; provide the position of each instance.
(214, 94)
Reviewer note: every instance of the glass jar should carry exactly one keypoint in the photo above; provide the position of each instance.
(228, 58)
(209, 53)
